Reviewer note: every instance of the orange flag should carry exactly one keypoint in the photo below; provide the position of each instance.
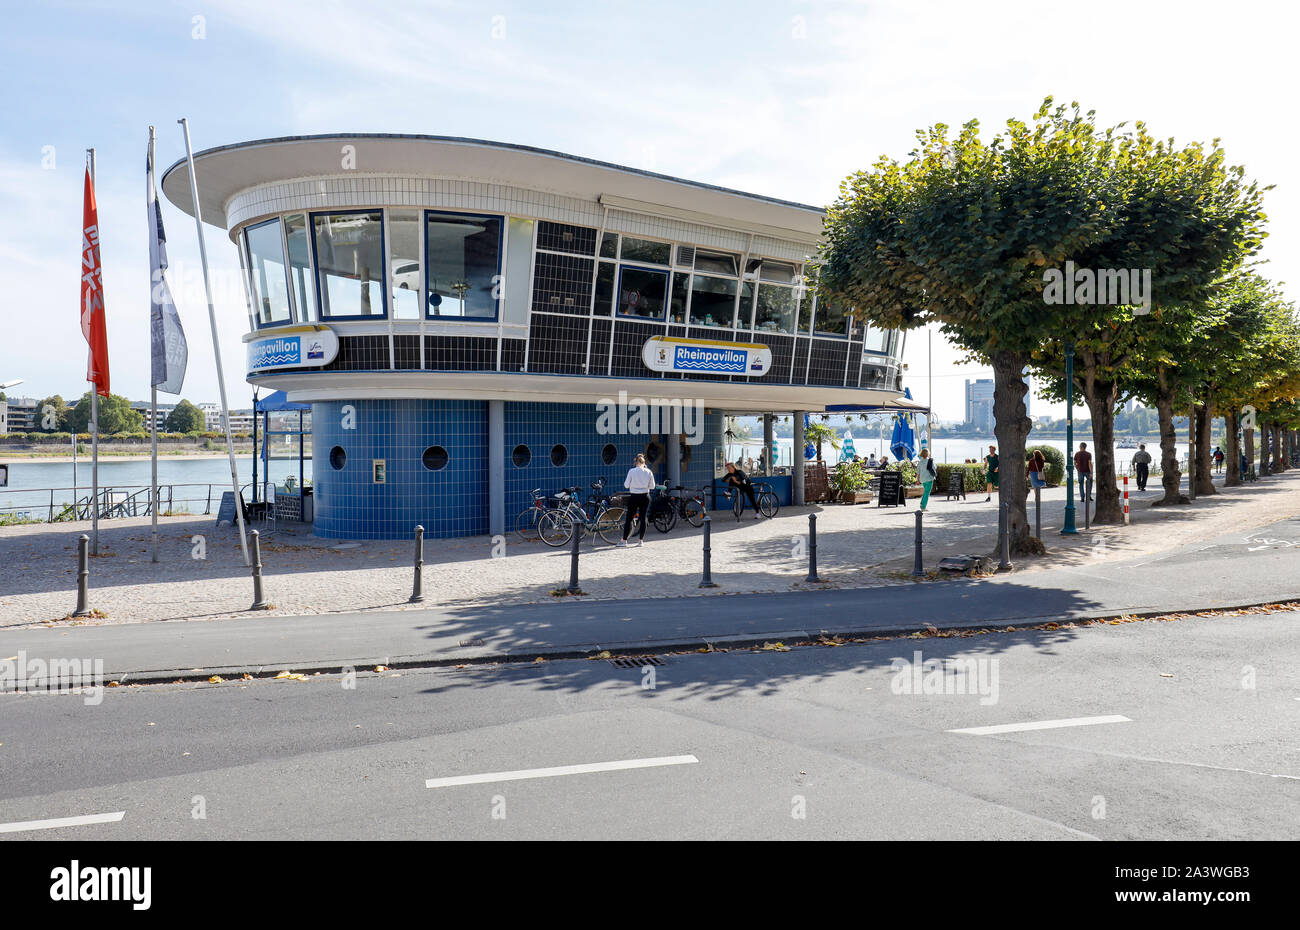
(92, 293)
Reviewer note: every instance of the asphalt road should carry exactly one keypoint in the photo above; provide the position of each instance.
(811, 743)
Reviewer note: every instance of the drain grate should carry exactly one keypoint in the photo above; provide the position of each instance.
(636, 661)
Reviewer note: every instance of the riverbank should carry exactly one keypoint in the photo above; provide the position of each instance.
(117, 456)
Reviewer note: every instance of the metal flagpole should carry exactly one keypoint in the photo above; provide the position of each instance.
(216, 343)
(94, 421)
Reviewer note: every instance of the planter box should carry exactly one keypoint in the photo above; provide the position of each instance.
(914, 492)
(855, 497)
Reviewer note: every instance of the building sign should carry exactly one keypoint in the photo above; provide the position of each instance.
(706, 356)
(293, 347)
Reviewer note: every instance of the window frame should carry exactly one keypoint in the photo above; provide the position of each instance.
(253, 299)
(383, 258)
(618, 290)
(503, 222)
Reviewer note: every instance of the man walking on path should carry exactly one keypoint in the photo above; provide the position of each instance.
(1083, 465)
(1142, 466)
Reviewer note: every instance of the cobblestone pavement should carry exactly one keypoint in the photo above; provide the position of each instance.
(858, 546)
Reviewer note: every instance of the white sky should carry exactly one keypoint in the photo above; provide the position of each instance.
(778, 98)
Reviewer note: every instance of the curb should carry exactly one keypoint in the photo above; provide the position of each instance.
(644, 647)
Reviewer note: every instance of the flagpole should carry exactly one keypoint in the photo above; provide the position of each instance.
(216, 343)
(153, 428)
(94, 420)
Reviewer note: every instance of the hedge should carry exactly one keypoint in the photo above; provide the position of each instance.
(1055, 462)
(973, 479)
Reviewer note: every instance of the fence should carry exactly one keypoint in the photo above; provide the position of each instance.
(54, 505)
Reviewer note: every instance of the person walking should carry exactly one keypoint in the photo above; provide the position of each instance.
(1036, 470)
(1083, 465)
(640, 481)
(1218, 459)
(990, 473)
(741, 484)
(1142, 466)
(927, 472)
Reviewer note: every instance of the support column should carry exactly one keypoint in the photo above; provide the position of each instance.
(767, 445)
(796, 470)
(497, 467)
(672, 423)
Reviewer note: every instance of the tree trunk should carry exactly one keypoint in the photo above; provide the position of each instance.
(1249, 435)
(1011, 426)
(1232, 476)
(1278, 464)
(1101, 405)
(1170, 477)
(1204, 457)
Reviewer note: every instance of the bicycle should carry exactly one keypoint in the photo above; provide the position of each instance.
(557, 525)
(688, 506)
(766, 499)
(527, 523)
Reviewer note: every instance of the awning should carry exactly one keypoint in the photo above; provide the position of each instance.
(279, 400)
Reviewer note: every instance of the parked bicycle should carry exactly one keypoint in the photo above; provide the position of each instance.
(597, 515)
(764, 496)
(677, 503)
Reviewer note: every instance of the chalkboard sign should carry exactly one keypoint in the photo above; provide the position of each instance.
(226, 512)
(891, 490)
(956, 485)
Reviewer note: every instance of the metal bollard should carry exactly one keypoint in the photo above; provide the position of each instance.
(83, 577)
(1087, 505)
(707, 581)
(417, 586)
(259, 599)
(573, 559)
(812, 548)
(1004, 538)
(918, 571)
(1038, 513)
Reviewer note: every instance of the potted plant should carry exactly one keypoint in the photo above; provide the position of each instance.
(851, 482)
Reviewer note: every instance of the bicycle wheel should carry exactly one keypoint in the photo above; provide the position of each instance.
(693, 511)
(665, 519)
(526, 524)
(555, 528)
(768, 504)
(737, 503)
(610, 524)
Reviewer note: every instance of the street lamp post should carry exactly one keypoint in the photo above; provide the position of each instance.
(1069, 528)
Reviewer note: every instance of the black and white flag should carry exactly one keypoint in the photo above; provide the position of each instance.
(168, 350)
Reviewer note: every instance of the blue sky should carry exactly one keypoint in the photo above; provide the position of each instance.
(779, 98)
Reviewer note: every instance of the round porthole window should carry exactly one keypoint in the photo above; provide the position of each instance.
(559, 455)
(521, 456)
(652, 453)
(435, 458)
(609, 454)
(338, 458)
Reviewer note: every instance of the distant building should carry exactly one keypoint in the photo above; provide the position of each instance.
(142, 407)
(19, 415)
(979, 404)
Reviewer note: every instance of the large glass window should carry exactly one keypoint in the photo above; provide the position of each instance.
(642, 293)
(715, 262)
(745, 312)
(350, 263)
(713, 301)
(519, 261)
(776, 271)
(681, 291)
(304, 292)
(404, 252)
(876, 340)
(775, 311)
(832, 317)
(605, 289)
(266, 262)
(644, 250)
(463, 258)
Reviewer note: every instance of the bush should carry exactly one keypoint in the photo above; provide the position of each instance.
(1055, 462)
(910, 477)
(849, 477)
(972, 477)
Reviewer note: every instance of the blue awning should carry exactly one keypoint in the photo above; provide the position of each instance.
(279, 400)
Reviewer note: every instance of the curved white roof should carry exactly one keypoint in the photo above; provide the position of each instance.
(225, 171)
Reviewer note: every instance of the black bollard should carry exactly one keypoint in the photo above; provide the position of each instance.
(573, 559)
(83, 577)
(259, 599)
(417, 586)
(812, 548)
(918, 570)
(707, 581)
(1004, 538)
(1038, 513)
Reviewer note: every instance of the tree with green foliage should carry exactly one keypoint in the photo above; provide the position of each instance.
(819, 434)
(59, 407)
(184, 418)
(115, 415)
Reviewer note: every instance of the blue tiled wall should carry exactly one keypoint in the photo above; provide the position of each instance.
(454, 500)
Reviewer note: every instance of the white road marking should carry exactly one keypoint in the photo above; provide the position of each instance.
(1042, 725)
(559, 770)
(58, 822)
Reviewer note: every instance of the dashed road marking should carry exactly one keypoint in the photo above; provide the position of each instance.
(56, 823)
(582, 769)
(1041, 725)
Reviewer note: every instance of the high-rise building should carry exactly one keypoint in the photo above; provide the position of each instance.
(979, 404)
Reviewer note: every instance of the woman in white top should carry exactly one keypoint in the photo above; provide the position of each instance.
(640, 481)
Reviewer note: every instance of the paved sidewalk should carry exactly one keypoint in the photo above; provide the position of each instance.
(1251, 566)
(858, 547)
